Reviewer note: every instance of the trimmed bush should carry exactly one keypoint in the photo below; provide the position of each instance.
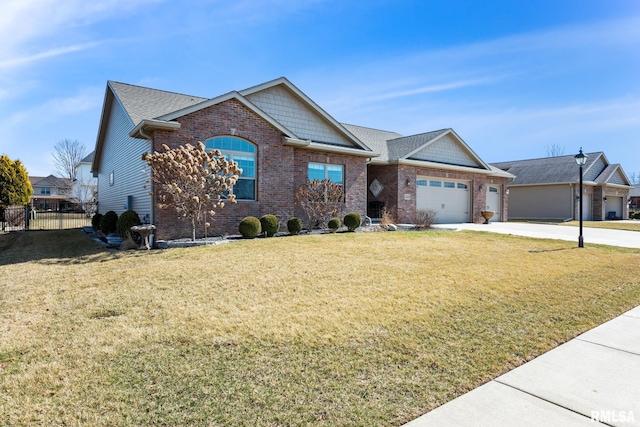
(352, 220)
(250, 227)
(294, 225)
(127, 220)
(95, 221)
(108, 222)
(270, 224)
(334, 224)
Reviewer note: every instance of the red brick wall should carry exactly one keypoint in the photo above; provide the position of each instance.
(403, 209)
(280, 169)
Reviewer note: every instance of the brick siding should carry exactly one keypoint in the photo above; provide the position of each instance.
(400, 198)
(280, 169)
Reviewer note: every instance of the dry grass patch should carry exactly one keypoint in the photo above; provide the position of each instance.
(336, 329)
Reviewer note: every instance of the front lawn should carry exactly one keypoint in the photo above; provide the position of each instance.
(337, 329)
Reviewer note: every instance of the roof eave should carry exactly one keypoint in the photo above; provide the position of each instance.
(434, 165)
(150, 125)
(316, 146)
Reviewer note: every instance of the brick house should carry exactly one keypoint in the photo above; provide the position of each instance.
(281, 138)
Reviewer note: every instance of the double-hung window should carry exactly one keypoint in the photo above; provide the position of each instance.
(244, 153)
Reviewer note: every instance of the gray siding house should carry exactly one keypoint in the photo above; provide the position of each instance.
(548, 188)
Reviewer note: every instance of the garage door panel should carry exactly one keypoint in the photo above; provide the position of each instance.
(448, 198)
(494, 199)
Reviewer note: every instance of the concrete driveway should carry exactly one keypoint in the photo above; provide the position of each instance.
(627, 239)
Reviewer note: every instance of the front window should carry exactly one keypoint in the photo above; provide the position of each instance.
(320, 171)
(45, 190)
(244, 153)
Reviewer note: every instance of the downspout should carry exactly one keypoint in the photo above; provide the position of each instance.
(153, 205)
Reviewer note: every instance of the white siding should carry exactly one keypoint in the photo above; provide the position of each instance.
(122, 156)
(296, 116)
(446, 150)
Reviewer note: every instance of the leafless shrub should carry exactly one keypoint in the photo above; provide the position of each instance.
(128, 243)
(425, 218)
(386, 218)
(320, 200)
(15, 216)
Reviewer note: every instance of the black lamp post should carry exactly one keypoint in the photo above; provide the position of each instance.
(581, 159)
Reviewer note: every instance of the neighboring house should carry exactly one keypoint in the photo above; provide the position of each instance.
(85, 188)
(50, 193)
(634, 198)
(548, 188)
(281, 138)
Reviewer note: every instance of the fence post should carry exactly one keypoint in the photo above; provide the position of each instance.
(27, 216)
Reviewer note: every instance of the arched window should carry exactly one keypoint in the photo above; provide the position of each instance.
(244, 153)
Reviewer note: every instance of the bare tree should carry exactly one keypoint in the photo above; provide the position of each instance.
(320, 200)
(85, 193)
(554, 150)
(192, 180)
(634, 178)
(66, 156)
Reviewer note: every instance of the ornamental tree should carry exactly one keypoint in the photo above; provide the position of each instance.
(320, 200)
(15, 188)
(192, 180)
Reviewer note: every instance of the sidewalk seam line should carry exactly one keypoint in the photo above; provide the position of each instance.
(606, 346)
(553, 403)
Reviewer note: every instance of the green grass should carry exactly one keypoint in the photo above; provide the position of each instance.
(337, 329)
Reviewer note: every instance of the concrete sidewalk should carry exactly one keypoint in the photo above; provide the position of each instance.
(627, 239)
(591, 380)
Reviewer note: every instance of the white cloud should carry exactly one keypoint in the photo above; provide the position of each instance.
(32, 30)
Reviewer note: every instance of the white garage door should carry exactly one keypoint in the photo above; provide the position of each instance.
(613, 204)
(493, 201)
(450, 199)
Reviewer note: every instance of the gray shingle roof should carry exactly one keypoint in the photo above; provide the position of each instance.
(146, 103)
(391, 145)
(88, 158)
(400, 147)
(547, 170)
(373, 138)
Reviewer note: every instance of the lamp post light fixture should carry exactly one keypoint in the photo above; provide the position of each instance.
(581, 159)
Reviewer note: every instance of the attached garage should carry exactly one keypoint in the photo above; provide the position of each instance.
(494, 198)
(613, 204)
(450, 199)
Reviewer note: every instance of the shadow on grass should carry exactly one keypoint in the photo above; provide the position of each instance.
(51, 247)
(540, 251)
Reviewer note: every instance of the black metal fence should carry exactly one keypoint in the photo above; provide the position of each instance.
(18, 218)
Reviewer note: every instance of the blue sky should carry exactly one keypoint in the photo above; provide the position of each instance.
(512, 78)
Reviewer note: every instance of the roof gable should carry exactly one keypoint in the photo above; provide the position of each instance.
(48, 181)
(442, 146)
(612, 174)
(288, 105)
